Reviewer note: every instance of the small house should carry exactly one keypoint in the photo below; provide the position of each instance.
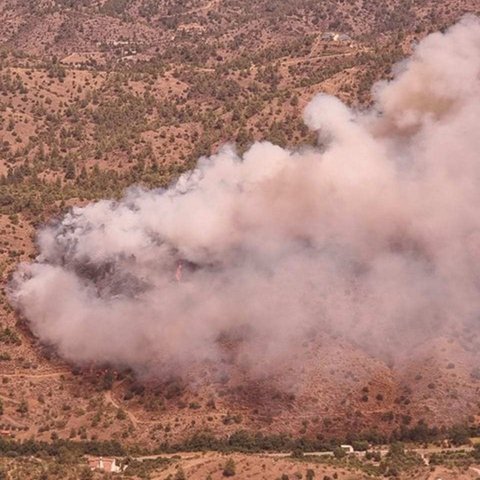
(104, 464)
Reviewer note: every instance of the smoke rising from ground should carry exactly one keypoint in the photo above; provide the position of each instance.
(374, 235)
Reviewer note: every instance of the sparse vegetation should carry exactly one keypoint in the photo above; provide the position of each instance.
(162, 83)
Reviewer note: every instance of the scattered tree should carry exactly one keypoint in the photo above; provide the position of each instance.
(229, 469)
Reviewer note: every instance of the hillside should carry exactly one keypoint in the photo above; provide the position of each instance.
(96, 96)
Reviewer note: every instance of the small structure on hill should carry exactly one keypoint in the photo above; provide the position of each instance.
(104, 464)
(336, 37)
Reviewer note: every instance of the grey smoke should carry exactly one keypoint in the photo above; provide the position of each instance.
(375, 237)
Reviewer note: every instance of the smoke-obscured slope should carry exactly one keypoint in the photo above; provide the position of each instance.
(374, 235)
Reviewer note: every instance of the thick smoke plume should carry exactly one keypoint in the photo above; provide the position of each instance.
(374, 235)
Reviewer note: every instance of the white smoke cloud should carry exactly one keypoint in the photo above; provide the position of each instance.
(375, 236)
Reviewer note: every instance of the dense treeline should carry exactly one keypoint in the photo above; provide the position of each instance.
(244, 441)
(13, 448)
(398, 458)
